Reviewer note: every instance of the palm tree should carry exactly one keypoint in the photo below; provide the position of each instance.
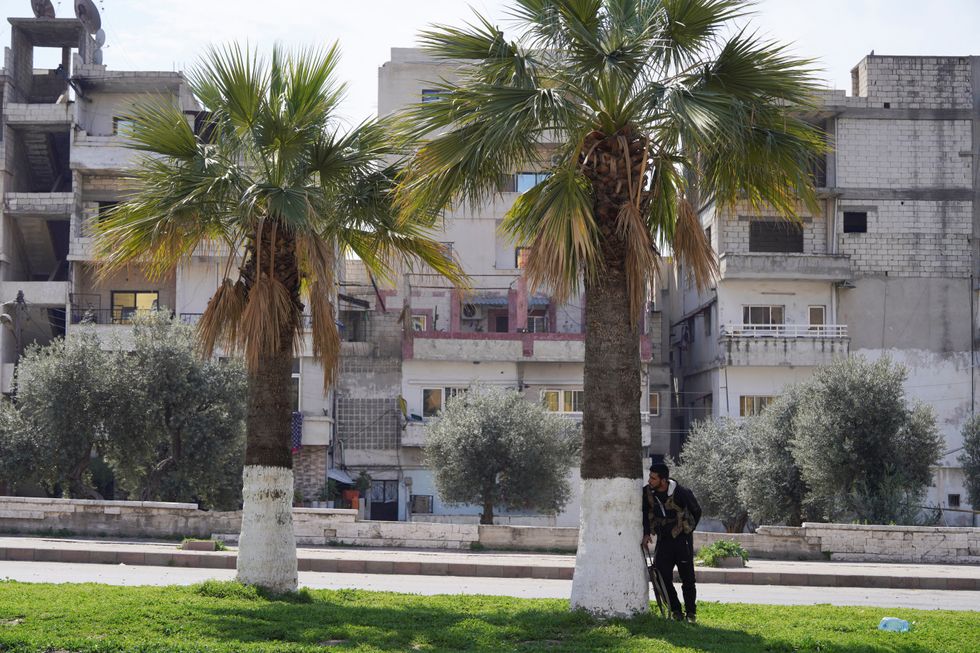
(647, 116)
(270, 175)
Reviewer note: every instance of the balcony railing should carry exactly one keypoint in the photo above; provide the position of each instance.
(784, 331)
(81, 315)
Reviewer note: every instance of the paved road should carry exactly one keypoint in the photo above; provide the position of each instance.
(43, 572)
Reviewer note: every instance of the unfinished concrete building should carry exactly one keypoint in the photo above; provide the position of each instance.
(888, 266)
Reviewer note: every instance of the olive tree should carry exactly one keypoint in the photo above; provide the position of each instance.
(864, 451)
(178, 432)
(709, 464)
(970, 459)
(493, 448)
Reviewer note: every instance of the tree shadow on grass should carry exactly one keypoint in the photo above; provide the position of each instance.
(350, 618)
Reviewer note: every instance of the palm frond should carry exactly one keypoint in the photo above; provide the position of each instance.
(691, 246)
(268, 317)
(219, 324)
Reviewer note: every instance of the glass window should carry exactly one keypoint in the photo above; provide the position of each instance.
(550, 399)
(126, 303)
(751, 405)
(528, 180)
(431, 402)
(654, 403)
(817, 315)
(295, 387)
(520, 257)
(430, 94)
(762, 315)
(121, 126)
(574, 400)
(419, 323)
(422, 504)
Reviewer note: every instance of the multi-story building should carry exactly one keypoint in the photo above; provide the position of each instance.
(63, 161)
(887, 266)
(497, 332)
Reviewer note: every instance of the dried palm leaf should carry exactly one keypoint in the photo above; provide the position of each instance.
(219, 323)
(268, 317)
(691, 246)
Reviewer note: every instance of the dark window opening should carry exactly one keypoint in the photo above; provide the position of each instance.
(104, 208)
(953, 500)
(855, 222)
(775, 237)
(422, 504)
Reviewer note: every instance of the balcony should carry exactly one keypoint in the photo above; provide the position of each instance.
(414, 433)
(41, 205)
(19, 114)
(44, 293)
(503, 347)
(812, 267)
(783, 345)
(94, 154)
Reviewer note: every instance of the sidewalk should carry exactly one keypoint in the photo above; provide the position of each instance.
(487, 564)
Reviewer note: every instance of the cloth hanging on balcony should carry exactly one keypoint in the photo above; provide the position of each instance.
(296, 431)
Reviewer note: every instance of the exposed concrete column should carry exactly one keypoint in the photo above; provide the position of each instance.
(520, 307)
(454, 306)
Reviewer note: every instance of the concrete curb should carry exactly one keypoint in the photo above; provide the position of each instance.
(227, 560)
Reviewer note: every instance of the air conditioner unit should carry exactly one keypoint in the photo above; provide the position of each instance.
(469, 310)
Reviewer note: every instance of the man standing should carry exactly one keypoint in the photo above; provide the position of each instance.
(672, 512)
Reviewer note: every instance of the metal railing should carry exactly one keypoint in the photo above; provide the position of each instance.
(83, 315)
(784, 331)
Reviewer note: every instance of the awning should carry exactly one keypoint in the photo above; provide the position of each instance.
(501, 300)
(340, 476)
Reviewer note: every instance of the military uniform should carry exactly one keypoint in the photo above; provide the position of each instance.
(672, 516)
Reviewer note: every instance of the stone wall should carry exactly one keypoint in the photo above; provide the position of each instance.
(322, 527)
(310, 470)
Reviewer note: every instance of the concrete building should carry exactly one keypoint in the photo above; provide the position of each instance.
(63, 161)
(888, 266)
(499, 332)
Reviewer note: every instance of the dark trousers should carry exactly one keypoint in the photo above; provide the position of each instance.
(677, 552)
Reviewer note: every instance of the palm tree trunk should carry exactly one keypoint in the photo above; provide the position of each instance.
(267, 544)
(609, 578)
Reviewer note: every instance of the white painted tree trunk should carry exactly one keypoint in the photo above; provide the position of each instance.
(610, 574)
(267, 546)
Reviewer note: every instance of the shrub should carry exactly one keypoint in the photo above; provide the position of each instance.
(714, 552)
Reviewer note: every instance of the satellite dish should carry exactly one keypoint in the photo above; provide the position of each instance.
(99, 38)
(97, 56)
(42, 8)
(86, 11)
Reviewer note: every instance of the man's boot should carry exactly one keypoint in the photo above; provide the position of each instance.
(692, 618)
(678, 616)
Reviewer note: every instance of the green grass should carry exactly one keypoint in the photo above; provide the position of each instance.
(219, 616)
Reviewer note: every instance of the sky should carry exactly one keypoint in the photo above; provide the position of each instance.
(171, 34)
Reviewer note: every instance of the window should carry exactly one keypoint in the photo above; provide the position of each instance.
(421, 504)
(104, 208)
(431, 402)
(383, 491)
(707, 322)
(121, 126)
(762, 315)
(817, 315)
(563, 401)
(528, 180)
(419, 323)
(431, 94)
(953, 500)
(855, 222)
(707, 234)
(769, 236)
(654, 403)
(126, 303)
(433, 399)
(751, 405)
(537, 322)
(295, 388)
(520, 257)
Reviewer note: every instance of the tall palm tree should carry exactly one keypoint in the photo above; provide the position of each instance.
(647, 115)
(269, 175)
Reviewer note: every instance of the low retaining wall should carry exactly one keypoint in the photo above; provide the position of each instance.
(858, 543)
(321, 527)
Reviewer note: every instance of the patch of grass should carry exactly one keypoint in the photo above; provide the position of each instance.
(222, 617)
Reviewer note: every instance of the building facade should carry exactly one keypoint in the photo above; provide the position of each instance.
(887, 266)
(63, 162)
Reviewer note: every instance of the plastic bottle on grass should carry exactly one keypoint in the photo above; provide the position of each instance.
(894, 624)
